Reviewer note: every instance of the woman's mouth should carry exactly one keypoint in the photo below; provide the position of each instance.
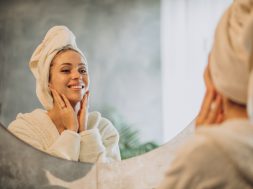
(76, 87)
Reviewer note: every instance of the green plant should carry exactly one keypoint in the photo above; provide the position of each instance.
(129, 142)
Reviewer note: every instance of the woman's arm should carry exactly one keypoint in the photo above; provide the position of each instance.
(99, 143)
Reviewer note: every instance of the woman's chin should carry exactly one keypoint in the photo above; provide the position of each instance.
(75, 101)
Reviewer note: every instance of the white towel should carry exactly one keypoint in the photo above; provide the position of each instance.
(57, 38)
(231, 57)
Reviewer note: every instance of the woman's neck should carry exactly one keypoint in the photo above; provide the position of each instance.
(76, 107)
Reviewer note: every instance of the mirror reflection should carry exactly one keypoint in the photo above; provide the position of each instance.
(143, 58)
(64, 127)
(120, 40)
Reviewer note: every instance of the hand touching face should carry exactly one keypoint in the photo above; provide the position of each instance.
(62, 113)
(211, 111)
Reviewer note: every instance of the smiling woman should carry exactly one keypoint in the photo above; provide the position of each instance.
(65, 128)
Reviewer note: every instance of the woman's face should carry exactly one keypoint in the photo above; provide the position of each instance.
(69, 76)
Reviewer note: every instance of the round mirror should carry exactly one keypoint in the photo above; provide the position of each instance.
(145, 59)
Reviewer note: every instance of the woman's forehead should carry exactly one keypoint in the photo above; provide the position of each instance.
(68, 58)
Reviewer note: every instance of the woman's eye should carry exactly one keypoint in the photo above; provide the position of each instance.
(83, 71)
(65, 71)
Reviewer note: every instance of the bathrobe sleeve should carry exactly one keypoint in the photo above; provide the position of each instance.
(100, 144)
(66, 145)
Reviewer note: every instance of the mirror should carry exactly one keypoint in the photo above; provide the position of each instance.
(45, 171)
(134, 50)
(121, 42)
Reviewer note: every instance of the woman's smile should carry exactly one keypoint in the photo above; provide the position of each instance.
(76, 86)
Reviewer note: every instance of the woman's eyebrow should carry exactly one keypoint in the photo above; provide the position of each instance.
(69, 64)
(66, 64)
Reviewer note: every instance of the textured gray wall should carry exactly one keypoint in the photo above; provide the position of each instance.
(121, 39)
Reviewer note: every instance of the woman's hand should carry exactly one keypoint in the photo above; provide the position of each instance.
(83, 113)
(211, 111)
(62, 114)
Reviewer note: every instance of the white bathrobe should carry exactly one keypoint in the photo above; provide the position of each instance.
(99, 143)
(218, 157)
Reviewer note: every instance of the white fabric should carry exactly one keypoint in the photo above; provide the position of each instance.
(66, 146)
(218, 157)
(99, 143)
(231, 57)
(57, 38)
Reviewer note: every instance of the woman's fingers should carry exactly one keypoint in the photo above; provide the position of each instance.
(211, 105)
(58, 100)
(205, 108)
(68, 115)
(82, 114)
(213, 113)
(66, 101)
(55, 112)
(211, 108)
(84, 101)
(209, 96)
(220, 116)
(214, 110)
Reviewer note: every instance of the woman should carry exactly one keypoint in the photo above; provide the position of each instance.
(65, 129)
(221, 153)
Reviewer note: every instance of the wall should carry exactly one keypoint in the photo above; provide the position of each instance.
(187, 29)
(120, 39)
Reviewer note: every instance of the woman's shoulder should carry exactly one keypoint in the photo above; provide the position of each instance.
(35, 113)
(217, 140)
(24, 120)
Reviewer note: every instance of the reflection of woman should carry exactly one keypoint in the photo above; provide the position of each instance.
(65, 129)
(221, 155)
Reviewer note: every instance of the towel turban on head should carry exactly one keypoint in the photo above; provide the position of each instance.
(231, 56)
(57, 38)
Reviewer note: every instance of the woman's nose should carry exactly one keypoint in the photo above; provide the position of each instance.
(76, 74)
